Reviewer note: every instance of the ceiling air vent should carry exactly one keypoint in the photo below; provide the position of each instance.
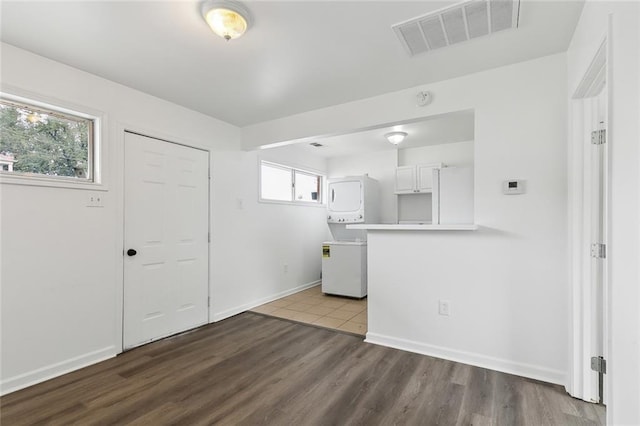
(456, 24)
(316, 144)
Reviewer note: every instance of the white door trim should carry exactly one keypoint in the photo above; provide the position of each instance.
(595, 77)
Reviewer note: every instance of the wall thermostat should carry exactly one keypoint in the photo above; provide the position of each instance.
(513, 187)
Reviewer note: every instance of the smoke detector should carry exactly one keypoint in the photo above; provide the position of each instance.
(456, 24)
(423, 98)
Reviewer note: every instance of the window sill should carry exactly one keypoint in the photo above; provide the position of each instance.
(292, 203)
(6, 179)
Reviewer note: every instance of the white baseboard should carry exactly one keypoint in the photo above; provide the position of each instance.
(250, 305)
(478, 360)
(40, 375)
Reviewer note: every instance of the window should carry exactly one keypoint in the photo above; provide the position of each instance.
(282, 183)
(306, 186)
(37, 141)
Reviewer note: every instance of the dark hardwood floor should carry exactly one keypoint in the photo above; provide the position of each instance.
(254, 370)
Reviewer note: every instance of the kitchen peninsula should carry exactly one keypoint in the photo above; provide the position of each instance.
(414, 227)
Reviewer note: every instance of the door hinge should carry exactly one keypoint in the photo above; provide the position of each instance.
(598, 137)
(599, 364)
(209, 301)
(208, 237)
(598, 250)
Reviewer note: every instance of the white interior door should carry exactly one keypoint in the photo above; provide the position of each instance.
(598, 227)
(166, 232)
(589, 223)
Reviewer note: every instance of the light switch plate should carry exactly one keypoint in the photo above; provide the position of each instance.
(95, 200)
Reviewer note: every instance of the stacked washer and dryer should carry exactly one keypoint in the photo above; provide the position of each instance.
(351, 200)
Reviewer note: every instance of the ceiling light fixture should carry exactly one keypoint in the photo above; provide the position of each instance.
(228, 19)
(395, 137)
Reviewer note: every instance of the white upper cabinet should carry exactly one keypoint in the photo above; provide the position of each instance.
(415, 179)
(425, 177)
(405, 179)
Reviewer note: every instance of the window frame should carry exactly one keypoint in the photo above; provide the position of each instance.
(292, 172)
(59, 109)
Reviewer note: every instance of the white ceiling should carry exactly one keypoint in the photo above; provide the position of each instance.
(435, 130)
(298, 56)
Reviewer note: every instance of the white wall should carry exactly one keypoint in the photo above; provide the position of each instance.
(61, 263)
(252, 241)
(507, 283)
(459, 154)
(623, 250)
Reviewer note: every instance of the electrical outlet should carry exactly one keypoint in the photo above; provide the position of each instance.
(444, 308)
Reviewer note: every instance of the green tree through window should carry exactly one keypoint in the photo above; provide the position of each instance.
(35, 141)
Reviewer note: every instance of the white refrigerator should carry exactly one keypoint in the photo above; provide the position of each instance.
(452, 198)
(344, 268)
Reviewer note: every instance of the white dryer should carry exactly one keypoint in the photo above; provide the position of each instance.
(353, 200)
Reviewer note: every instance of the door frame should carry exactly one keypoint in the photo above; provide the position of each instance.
(596, 77)
(119, 153)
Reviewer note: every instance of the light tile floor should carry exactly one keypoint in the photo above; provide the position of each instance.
(311, 306)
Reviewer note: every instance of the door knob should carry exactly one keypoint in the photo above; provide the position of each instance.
(131, 252)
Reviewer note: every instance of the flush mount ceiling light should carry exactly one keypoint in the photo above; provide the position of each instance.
(395, 137)
(228, 19)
